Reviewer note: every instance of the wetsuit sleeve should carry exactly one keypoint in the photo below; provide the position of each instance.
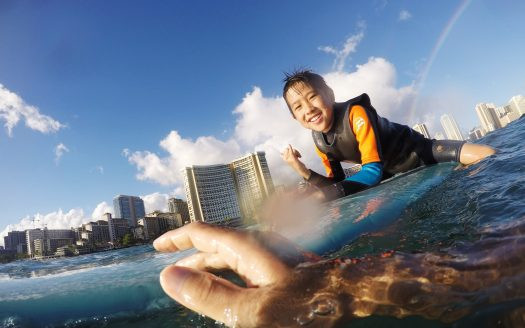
(365, 135)
(372, 169)
(334, 172)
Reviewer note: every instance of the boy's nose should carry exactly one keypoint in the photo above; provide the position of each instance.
(309, 107)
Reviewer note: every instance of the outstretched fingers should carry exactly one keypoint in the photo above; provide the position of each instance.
(208, 294)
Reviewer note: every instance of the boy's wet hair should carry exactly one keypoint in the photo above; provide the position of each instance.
(305, 76)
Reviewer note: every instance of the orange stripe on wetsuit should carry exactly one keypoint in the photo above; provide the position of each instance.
(326, 162)
(365, 136)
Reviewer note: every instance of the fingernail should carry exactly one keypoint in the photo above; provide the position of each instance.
(173, 278)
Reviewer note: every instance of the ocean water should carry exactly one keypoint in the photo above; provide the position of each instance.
(431, 210)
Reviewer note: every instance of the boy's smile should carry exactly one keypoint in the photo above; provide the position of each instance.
(313, 109)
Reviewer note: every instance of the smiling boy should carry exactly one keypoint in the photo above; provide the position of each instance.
(352, 131)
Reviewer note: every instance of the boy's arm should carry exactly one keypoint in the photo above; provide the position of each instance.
(334, 172)
(372, 165)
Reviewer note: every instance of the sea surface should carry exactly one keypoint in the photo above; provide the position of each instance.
(121, 289)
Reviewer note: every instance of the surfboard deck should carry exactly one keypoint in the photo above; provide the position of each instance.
(371, 210)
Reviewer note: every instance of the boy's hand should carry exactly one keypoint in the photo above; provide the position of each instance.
(291, 156)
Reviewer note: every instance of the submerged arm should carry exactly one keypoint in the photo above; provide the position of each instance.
(283, 292)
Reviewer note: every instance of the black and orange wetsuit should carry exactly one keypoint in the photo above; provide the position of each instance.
(383, 148)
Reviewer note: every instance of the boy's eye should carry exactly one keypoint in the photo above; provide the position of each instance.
(313, 97)
(297, 108)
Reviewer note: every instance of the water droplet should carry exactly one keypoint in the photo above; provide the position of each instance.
(323, 306)
(305, 319)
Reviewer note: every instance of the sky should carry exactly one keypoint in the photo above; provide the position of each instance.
(100, 98)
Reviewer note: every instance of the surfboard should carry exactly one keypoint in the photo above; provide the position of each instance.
(370, 211)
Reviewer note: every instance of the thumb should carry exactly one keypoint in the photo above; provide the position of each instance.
(205, 293)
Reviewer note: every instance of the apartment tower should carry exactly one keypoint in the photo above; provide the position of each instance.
(451, 127)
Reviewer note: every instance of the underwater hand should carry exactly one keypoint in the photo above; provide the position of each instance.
(275, 292)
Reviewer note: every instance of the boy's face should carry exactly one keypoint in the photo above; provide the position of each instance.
(312, 108)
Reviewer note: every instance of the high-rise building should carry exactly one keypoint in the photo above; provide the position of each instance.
(130, 208)
(225, 193)
(179, 206)
(476, 133)
(150, 227)
(211, 195)
(506, 115)
(451, 127)
(31, 235)
(488, 117)
(517, 103)
(99, 232)
(167, 221)
(46, 241)
(422, 128)
(253, 182)
(13, 239)
(118, 228)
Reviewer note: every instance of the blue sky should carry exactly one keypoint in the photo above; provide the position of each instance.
(135, 90)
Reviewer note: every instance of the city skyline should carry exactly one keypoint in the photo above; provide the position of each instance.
(490, 116)
(102, 105)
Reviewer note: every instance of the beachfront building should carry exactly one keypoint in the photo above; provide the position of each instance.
(150, 227)
(179, 206)
(46, 241)
(487, 116)
(517, 104)
(476, 133)
(422, 128)
(506, 114)
(253, 182)
(130, 208)
(451, 127)
(15, 241)
(228, 193)
(96, 233)
(211, 195)
(118, 228)
(167, 220)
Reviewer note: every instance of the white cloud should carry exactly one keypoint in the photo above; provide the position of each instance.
(182, 152)
(13, 109)
(60, 149)
(155, 202)
(349, 47)
(101, 209)
(404, 15)
(377, 78)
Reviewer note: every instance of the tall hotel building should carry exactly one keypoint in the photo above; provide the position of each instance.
(488, 117)
(517, 103)
(451, 127)
(422, 128)
(130, 208)
(178, 206)
(227, 192)
(253, 181)
(210, 191)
